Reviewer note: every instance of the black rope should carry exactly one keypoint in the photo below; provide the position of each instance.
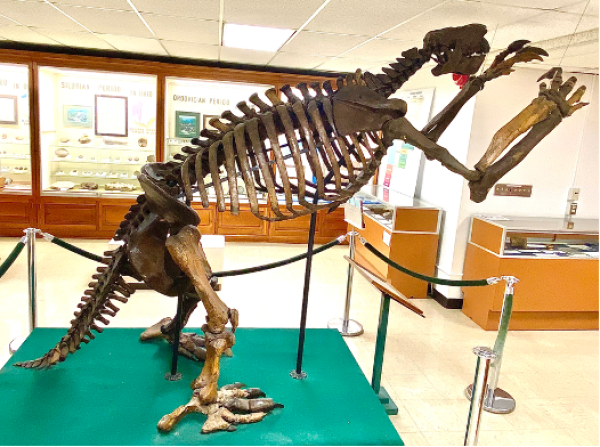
(273, 265)
(12, 257)
(431, 279)
(77, 250)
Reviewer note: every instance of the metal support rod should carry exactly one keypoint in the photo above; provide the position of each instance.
(31, 276)
(298, 373)
(380, 343)
(479, 392)
(497, 400)
(174, 375)
(345, 325)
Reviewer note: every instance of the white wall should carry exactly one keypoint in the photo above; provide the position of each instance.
(436, 184)
(565, 158)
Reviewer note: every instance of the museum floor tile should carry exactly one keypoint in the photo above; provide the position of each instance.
(428, 361)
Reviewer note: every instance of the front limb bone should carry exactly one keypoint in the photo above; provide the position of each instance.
(402, 129)
(544, 114)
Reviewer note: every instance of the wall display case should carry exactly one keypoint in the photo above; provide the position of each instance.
(15, 145)
(556, 261)
(403, 228)
(191, 104)
(96, 121)
(97, 130)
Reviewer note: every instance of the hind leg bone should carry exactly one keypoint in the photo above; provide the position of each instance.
(187, 252)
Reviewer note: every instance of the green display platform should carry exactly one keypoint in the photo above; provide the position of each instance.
(113, 392)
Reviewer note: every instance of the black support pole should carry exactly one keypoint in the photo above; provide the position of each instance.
(174, 375)
(298, 373)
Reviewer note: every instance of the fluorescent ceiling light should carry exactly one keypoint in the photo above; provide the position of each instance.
(254, 37)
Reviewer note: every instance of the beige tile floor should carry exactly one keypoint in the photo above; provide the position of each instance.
(428, 362)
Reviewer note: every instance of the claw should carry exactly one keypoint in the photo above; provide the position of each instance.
(550, 73)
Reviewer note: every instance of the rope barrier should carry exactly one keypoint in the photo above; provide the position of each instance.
(13, 256)
(281, 263)
(431, 279)
(72, 248)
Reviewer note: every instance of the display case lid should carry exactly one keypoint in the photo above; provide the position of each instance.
(549, 225)
(393, 198)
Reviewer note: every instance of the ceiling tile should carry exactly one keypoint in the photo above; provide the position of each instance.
(200, 9)
(109, 21)
(20, 33)
(134, 44)
(37, 14)
(360, 17)
(191, 50)
(382, 49)
(78, 40)
(459, 13)
(583, 61)
(183, 29)
(587, 23)
(6, 22)
(290, 15)
(241, 56)
(322, 44)
(540, 4)
(590, 48)
(589, 6)
(342, 64)
(103, 4)
(544, 26)
(299, 61)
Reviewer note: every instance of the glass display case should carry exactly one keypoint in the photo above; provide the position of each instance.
(15, 149)
(540, 237)
(555, 260)
(383, 204)
(97, 130)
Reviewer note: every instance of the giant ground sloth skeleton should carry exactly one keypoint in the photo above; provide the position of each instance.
(342, 132)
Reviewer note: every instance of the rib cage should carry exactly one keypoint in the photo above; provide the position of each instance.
(251, 145)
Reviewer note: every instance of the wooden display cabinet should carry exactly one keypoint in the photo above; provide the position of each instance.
(404, 229)
(556, 262)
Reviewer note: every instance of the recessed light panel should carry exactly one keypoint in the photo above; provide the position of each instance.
(254, 37)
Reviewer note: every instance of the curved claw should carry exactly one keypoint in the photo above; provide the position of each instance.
(550, 74)
(241, 405)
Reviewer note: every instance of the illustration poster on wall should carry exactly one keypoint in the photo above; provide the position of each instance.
(8, 109)
(111, 115)
(403, 162)
(187, 124)
(77, 116)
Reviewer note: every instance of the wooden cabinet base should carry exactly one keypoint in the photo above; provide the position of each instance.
(95, 217)
(552, 294)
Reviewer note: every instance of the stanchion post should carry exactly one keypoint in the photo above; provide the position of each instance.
(16, 343)
(479, 392)
(31, 276)
(388, 404)
(497, 400)
(346, 326)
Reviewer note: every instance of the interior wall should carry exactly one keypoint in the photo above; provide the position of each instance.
(436, 184)
(567, 157)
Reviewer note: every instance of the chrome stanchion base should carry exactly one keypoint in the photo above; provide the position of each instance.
(354, 327)
(502, 402)
(15, 344)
